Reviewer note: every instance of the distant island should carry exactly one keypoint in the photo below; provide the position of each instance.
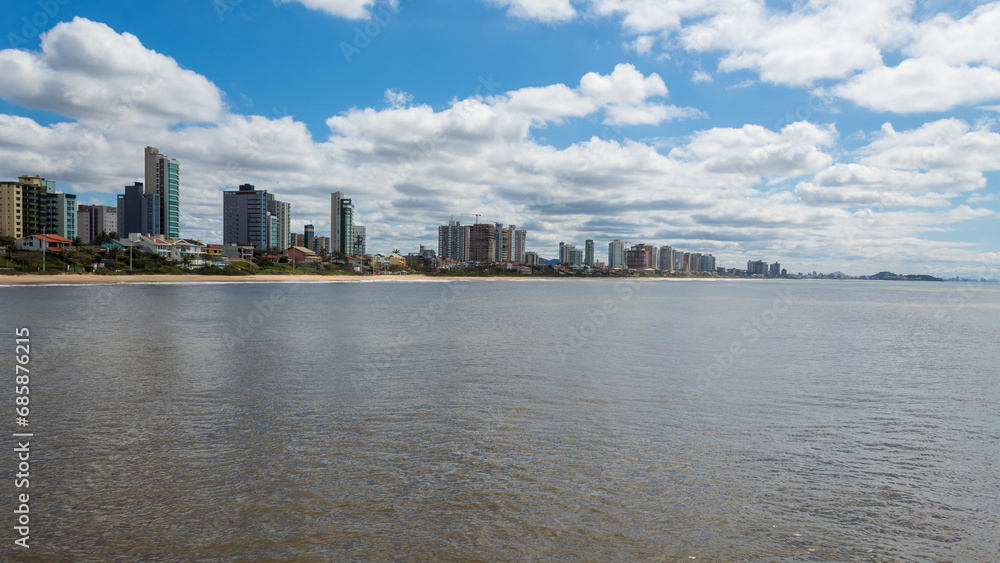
(907, 277)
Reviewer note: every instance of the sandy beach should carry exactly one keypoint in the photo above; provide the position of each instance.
(74, 278)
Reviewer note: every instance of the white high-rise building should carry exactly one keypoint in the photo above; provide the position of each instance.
(520, 236)
(616, 254)
(282, 211)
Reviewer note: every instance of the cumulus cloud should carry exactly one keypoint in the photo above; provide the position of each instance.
(945, 144)
(349, 9)
(91, 73)
(921, 85)
(850, 185)
(755, 151)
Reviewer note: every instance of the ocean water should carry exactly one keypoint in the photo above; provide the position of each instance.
(509, 420)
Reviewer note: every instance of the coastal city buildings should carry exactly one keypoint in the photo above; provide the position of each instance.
(255, 219)
(482, 242)
(163, 184)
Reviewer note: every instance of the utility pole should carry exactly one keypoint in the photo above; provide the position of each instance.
(43, 250)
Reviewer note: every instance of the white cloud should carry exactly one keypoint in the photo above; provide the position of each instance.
(921, 85)
(349, 9)
(88, 72)
(860, 185)
(549, 11)
(642, 45)
(945, 144)
(699, 77)
(753, 151)
(970, 40)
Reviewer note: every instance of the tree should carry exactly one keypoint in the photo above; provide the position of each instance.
(77, 243)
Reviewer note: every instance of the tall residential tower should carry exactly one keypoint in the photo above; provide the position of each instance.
(163, 183)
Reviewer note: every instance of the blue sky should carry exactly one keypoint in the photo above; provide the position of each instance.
(853, 136)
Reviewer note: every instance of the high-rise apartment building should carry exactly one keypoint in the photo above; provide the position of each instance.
(482, 243)
(246, 220)
(666, 258)
(636, 258)
(570, 255)
(92, 220)
(163, 183)
(518, 250)
(281, 213)
(12, 209)
(588, 253)
(63, 218)
(32, 206)
(341, 223)
(137, 212)
(308, 237)
(678, 260)
(453, 241)
(616, 254)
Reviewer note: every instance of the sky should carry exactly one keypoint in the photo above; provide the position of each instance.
(854, 136)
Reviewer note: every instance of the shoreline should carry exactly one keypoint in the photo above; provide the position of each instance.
(93, 279)
(90, 279)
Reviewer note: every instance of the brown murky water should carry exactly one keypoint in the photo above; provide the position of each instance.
(497, 420)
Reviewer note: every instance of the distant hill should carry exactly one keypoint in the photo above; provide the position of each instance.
(907, 277)
(552, 262)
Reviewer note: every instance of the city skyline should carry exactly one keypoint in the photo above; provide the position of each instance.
(654, 127)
